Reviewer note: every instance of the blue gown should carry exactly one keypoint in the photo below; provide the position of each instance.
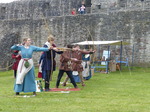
(49, 59)
(28, 84)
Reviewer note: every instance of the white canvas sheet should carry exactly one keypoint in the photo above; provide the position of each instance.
(117, 42)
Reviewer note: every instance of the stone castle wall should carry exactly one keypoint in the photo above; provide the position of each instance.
(129, 26)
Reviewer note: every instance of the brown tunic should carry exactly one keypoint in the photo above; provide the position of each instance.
(76, 66)
(65, 61)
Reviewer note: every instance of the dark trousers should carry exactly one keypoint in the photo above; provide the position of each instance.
(15, 73)
(43, 74)
(47, 79)
(69, 73)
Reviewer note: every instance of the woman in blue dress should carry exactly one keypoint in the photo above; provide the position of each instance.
(25, 80)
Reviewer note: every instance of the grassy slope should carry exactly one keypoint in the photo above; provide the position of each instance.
(114, 92)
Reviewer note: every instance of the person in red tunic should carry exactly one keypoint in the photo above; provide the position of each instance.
(17, 58)
(77, 66)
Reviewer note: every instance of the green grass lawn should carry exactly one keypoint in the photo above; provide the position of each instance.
(126, 91)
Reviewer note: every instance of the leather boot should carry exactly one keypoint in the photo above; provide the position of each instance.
(34, 93)
(17, 93)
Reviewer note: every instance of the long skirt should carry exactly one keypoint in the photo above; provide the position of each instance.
(25, 81)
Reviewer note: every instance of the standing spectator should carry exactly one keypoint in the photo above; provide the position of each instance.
(82, 9)
(73, 12)
(16, 55)
(86, 66)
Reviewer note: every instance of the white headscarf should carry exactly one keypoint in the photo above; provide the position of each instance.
(48, 44)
